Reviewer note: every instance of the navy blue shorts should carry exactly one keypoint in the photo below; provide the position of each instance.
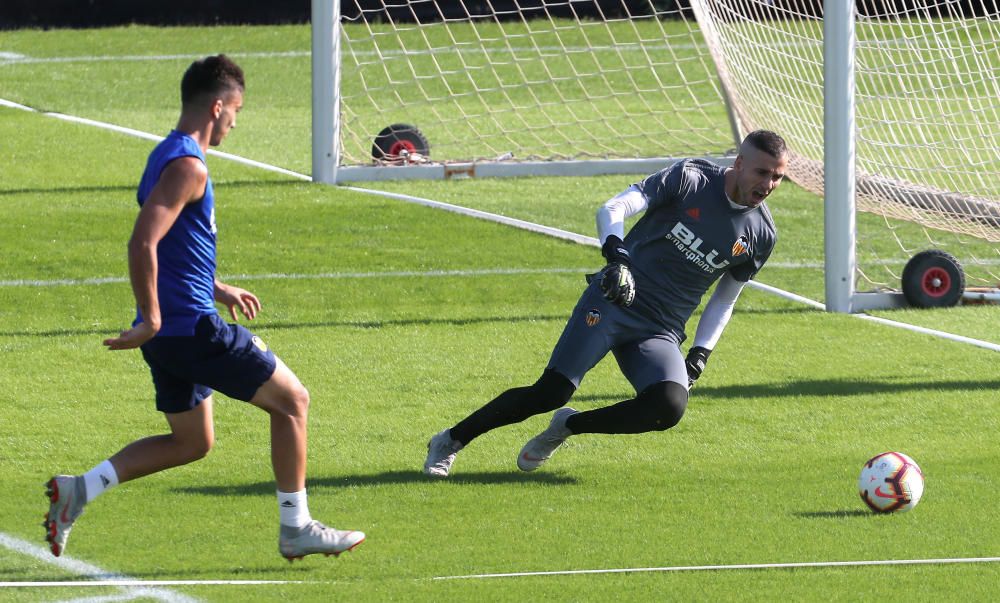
(219, 356)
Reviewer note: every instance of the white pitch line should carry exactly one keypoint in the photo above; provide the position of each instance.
(924, 330)
(100, 599)
(484, 215)
(591, 241)
(787, 295)
(74, 566)
(748, 566)
(113, 280)
(104, 280)
(152, 137)
(145, 583)
(522, 224)
(818, 264)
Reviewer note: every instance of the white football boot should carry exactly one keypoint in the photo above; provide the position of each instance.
(314, 537)
(541, 447)
(441, 451)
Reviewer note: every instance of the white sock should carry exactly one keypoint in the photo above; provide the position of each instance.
(294, 508)
(100, 479)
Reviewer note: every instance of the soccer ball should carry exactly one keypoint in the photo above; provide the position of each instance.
(891, 482)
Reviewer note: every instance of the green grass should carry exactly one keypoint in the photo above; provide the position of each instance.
(761, 470)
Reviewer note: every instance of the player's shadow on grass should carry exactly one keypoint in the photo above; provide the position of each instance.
(410, 322)
(827, 388)
(262, 327)
(814, 388)
(381, 479)
(834, 514)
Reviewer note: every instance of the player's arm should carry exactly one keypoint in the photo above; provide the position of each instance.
(712, 323)
(617, 283)
(182, 181)
(235, 298)
(612, 215)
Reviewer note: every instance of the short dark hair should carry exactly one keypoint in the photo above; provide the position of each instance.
(213, 75)
(767, 141)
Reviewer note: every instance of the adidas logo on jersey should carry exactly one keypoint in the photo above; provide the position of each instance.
(690, 245)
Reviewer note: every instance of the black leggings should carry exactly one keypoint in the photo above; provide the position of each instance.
(550, 392)
(658, 407)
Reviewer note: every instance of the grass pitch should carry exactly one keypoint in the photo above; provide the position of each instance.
(402, 319)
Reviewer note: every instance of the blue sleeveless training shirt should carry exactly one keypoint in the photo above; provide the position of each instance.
(186, 255)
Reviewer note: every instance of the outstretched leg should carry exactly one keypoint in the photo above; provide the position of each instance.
(191, 437)
(551, 391)
(658, 407)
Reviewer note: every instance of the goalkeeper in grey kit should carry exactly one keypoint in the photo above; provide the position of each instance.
(700, 223)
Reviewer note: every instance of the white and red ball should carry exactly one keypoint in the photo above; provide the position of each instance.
(891, 482)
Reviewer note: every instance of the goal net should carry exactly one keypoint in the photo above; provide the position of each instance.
(569, 86)
(436, 88)
(927, 124)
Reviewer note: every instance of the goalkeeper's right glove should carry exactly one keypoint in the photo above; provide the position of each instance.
(695, 363)
(617, 283)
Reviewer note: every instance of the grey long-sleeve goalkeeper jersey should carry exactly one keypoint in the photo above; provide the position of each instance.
(688, 237)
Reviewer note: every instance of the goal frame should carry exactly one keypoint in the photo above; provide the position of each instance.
(839, 146)
(840, 261)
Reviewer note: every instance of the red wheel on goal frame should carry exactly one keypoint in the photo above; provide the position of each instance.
(933, 279)
(398, 140)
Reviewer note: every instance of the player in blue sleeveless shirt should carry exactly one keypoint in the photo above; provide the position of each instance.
(701, 224)
(186, 253)
(191, 351)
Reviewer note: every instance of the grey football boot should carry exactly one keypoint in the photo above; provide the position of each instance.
(441, 451)
(541, 447)
(67, 495)
(314, 537)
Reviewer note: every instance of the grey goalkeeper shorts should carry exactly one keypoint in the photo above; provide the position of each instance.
(647, 353)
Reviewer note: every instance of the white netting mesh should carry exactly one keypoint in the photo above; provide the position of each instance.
(532, 79)
(928, 127)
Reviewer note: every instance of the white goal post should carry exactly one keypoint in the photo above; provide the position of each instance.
(889, 106)
(839, 209)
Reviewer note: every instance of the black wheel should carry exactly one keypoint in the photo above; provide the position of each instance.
(933, 279)
(398, 140)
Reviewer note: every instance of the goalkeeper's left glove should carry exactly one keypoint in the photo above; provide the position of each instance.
(695, 362)
(617, 282)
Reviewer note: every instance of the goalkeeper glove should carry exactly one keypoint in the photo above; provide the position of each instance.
(617, 283)
(695, 363)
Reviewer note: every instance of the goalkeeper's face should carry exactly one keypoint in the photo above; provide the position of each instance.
(757, 174)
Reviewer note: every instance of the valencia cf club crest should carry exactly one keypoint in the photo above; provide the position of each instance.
(740, 246)
(593, 317)
(257, 341)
